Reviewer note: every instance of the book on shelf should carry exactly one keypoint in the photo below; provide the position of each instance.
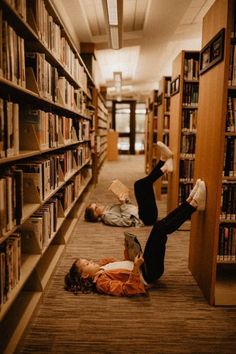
(9, 128)
(40, 122)
(227, 242)
(10, 265)
(11, 200)
(118, 188)
(132, 245)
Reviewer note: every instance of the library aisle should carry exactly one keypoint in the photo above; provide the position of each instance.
(174, 318)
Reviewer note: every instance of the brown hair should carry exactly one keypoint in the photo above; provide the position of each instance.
(74, 282)
(89, 214)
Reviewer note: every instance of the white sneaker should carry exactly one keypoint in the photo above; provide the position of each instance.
(168, 166)
(200, 196)
(193, 191)
(165, 151)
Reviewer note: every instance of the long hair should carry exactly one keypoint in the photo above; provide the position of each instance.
(74, 282)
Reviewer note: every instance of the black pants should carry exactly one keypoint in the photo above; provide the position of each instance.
(145, 196)
(154, 252)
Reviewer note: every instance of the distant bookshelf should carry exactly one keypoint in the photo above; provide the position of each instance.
(163, 126)
(183, 125)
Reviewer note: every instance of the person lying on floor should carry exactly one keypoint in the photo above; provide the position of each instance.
(127, 214)
(127, 278)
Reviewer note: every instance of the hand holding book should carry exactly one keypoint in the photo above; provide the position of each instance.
(120, 191)
(132, 246)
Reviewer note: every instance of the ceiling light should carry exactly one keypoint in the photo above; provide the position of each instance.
(114, 37)
(113, 11)
(117, 78)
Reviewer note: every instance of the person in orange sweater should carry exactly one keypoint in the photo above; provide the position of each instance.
(127, 278)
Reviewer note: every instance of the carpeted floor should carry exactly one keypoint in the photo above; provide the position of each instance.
(174, 318)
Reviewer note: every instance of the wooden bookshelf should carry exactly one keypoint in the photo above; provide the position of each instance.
(183, 112)
(215, 271)
(151, 138)
(68, 109)
(101, 129)
(163, 124)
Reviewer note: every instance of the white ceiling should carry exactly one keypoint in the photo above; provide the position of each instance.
(154, 32)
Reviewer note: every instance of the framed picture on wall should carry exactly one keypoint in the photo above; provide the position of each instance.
(213, 52)
(174, 86)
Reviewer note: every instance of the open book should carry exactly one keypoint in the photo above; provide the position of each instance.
(118, 188)
(133, 245)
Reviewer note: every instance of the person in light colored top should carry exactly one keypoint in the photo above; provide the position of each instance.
(127, 278)
(126, 214)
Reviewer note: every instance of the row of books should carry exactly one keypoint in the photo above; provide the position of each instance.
(229, 168)
(48, 82)
(11, 199)
(9, 128)
(190, 94)
(191, 69)
(10, 265)
(48, 130)
(14, 62)
(49, 127)
(186, 170)
(227, 242)
(167, 87)
(38, 230)
(12, 54)
(232, 65)
(52, 36)
(231, 115)
(166, 104)
(19, 6)
(188, 143)
(189, 120)
(166, 139)
(34, 235)
(184, 190)
(228, 201)
(166, 121)
(33, 182)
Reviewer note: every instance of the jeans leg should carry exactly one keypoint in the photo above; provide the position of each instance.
(154, 252)
(145, 196)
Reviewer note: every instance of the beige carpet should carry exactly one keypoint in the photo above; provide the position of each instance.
(174, 318)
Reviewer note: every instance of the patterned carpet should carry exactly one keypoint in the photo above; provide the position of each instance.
(174, 318)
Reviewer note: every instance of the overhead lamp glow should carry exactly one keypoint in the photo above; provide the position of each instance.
(112, 12)
(114, 37)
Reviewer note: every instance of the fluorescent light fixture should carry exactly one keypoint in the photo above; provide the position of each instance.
(117, 78)
(112, 12)
(114, 37)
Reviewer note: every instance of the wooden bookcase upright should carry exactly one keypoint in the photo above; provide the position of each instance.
(215, 274)
(57, 138)
(163, 123)
(183, 111)
(101, 129)
(151, 151)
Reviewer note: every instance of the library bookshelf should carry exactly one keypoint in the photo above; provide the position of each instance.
(47, 120)
(151, 138)
(163, 123)
(182, 133)
(212, 240)
(101, 130)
